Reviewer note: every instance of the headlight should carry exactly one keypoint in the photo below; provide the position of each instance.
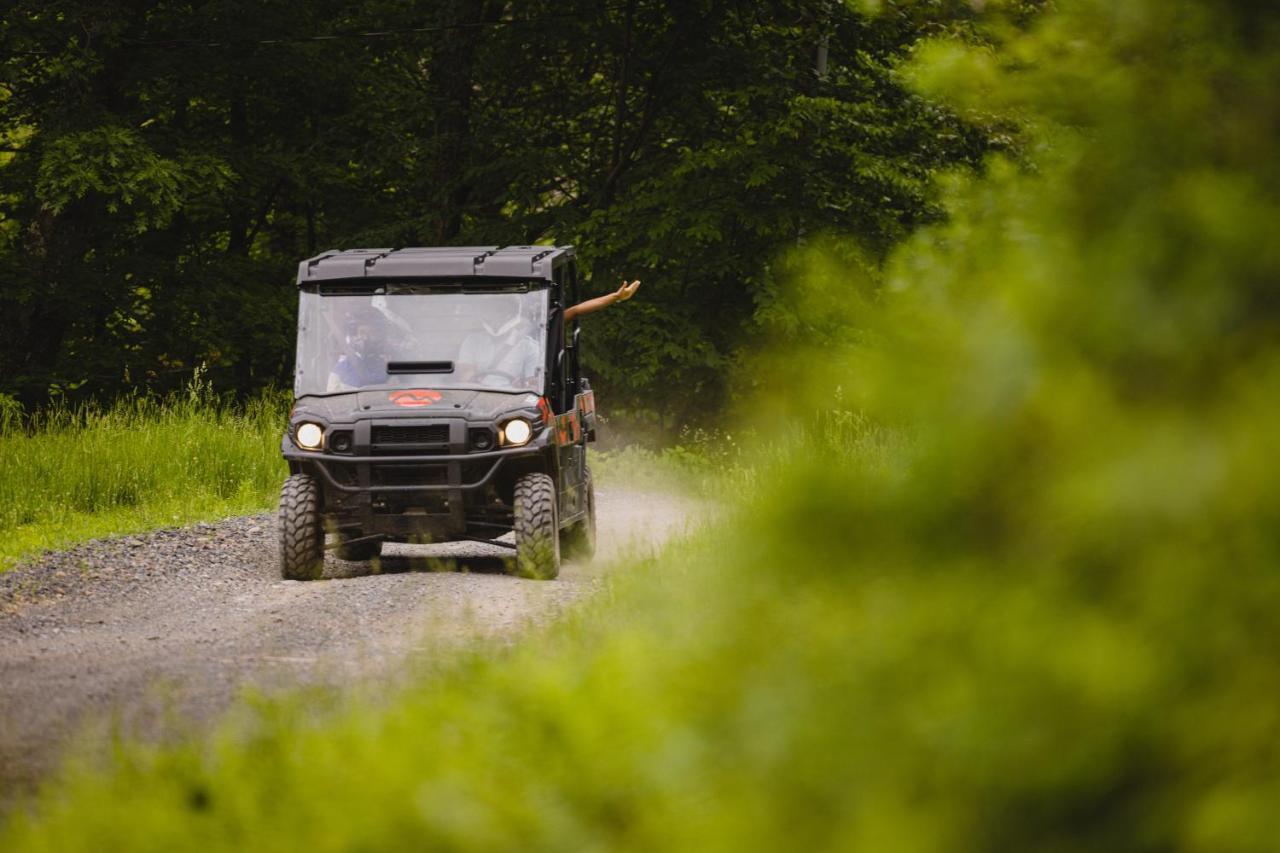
(308, 436)
(516, 432)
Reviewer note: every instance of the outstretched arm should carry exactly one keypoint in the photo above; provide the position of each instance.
(622, 294)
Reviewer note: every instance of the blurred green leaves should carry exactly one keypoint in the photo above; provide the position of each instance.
(1084, 359)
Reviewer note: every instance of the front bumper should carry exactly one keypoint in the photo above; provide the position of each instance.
(415, 497)
(451, 466)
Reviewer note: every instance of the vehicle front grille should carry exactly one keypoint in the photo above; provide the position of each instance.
(429, 434)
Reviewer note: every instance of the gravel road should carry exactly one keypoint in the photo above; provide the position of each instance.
(159, 632)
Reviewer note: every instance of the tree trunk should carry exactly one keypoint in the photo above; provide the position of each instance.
(452, 85)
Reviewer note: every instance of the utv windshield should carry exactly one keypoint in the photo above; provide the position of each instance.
(415, 335)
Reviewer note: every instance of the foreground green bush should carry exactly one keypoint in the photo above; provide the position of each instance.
(1025, 599)
(70, 474)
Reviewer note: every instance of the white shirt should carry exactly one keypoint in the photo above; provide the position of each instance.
(514, 355)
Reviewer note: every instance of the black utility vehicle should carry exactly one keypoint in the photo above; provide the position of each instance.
(438, 397)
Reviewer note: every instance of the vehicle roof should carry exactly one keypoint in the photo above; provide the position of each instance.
(523, 262)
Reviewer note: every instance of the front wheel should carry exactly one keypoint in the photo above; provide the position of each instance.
(301, 536)
(537, 528)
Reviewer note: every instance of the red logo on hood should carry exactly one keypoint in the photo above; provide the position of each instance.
(414, 399)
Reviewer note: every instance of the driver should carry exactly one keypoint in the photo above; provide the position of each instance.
(364, 361)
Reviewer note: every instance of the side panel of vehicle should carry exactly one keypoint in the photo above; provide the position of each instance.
(566, 394)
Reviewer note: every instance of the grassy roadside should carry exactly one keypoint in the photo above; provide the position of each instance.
(68, 475)
(696, 464)
(727, 466)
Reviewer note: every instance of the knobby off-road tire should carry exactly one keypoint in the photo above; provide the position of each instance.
(301, 536)
(359, 552)
(578, 541)
(537, 529)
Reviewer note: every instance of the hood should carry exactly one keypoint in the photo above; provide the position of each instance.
(413, 403)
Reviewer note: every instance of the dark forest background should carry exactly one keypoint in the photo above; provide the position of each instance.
(165, 165)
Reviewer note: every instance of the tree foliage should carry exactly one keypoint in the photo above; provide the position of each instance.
(166, 164)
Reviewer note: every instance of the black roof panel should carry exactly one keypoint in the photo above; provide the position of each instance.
(434, 262)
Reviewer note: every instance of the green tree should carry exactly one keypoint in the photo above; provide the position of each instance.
(172, 164)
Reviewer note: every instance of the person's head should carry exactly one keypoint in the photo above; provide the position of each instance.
(365, 336)
(503, 313)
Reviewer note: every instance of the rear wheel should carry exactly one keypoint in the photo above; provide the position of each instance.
(579, 540)
(536, 528)
(301, 536)
(360, 551)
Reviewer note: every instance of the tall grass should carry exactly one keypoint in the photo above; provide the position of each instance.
(69, 473)
(742, 462)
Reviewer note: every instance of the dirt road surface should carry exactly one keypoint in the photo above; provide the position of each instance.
(160, 632)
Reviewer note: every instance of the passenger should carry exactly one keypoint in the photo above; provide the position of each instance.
(507, 354)
(622, 294)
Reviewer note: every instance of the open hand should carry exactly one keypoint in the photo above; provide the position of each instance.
(626, 291)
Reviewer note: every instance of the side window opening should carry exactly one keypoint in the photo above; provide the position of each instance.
(561, 374)
(574, 334)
